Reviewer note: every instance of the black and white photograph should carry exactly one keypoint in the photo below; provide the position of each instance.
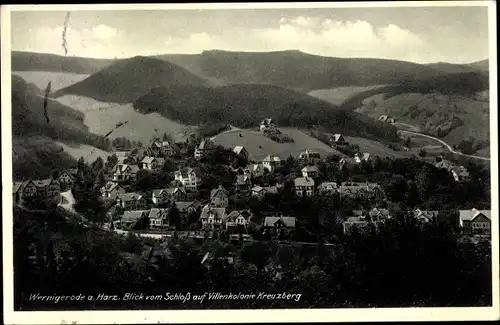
(250, 162)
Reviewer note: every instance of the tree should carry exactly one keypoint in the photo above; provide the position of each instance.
(423, 180)
(174, 217)
(112, 161)
(98, 164)
(144, 180)
(422, 153)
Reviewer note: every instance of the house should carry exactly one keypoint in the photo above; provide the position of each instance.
(360, 224)
(304, 186)
(328, 188)
(309, 156)
(310, 171)
(460, 173)
(111, 189)
(124, 172)
(189, 178)
(160, 196)
(475, 221)
(238, 219)
(67, 177)
(136, 219)
(267, 123)
(360, 190)
(444, 164)
(219, 197)
(337, 139)
(131, 201)
(425, 215)
(377, 214)
(122, 156)
(261, 192)
(254, 170)
(188, 207)
(358, 158)
(212, 217)
(44, 188)
(345, 161)
(158, 218)
(241, 151)
(204, 148)
(243, 183)
(151, 163)
(279, 225)
(272, 163)
(159, 148)
(17, 192)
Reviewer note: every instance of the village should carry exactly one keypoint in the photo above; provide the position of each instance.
(181, 207)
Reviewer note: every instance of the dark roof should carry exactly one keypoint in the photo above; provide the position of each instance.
(287, 221)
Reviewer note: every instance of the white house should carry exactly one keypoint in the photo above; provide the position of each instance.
(151, 163)
(272, 163)
(304, 186)
(188, 177)
(310, 171)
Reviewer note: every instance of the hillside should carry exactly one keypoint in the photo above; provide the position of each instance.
(126, 80)
(466, 84)
(30, 61)
(298, 70)
(483, 65)
(58, 80)
(453, 68)
(259, 146)
(34, 139)
(247, 105)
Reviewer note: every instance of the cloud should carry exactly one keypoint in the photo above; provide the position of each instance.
(327, 37)
(104, 32)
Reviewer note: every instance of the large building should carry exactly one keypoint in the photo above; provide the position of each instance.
(189, 178)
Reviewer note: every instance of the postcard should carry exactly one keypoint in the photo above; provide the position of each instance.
(255, 162)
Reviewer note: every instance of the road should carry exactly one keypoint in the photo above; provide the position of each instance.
(444, 144)
(67, 201)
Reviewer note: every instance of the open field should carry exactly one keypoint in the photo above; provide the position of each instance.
(89, 153)
(338, 95)
(260, 146)
(102, 117)
(377, 148)
(58, 80)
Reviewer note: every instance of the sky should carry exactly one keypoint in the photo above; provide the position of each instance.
(422, 35)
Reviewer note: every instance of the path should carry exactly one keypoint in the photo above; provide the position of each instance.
(445, 144)
(67, 201)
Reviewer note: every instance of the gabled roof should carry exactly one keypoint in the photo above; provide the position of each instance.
(17, 186)
(147, 160)
(43, 182)
(183, 205)
(219, 213)
(254, 167)
(272, 158)
(267, 121)
(470, 215)
(378, 212)
(444, 164)
(325, 185)
(235, 214)
(310, 153)
(122, 168)
(428, 214)
(337, 136)
(287, 221)
(109, 186)
(206, 145)
(238, 149)
(310, 169)
(219, 190)
(185, 172)
(134, 215)
(242, 179)
(156, 213)
(304, 181)
(131, 196)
